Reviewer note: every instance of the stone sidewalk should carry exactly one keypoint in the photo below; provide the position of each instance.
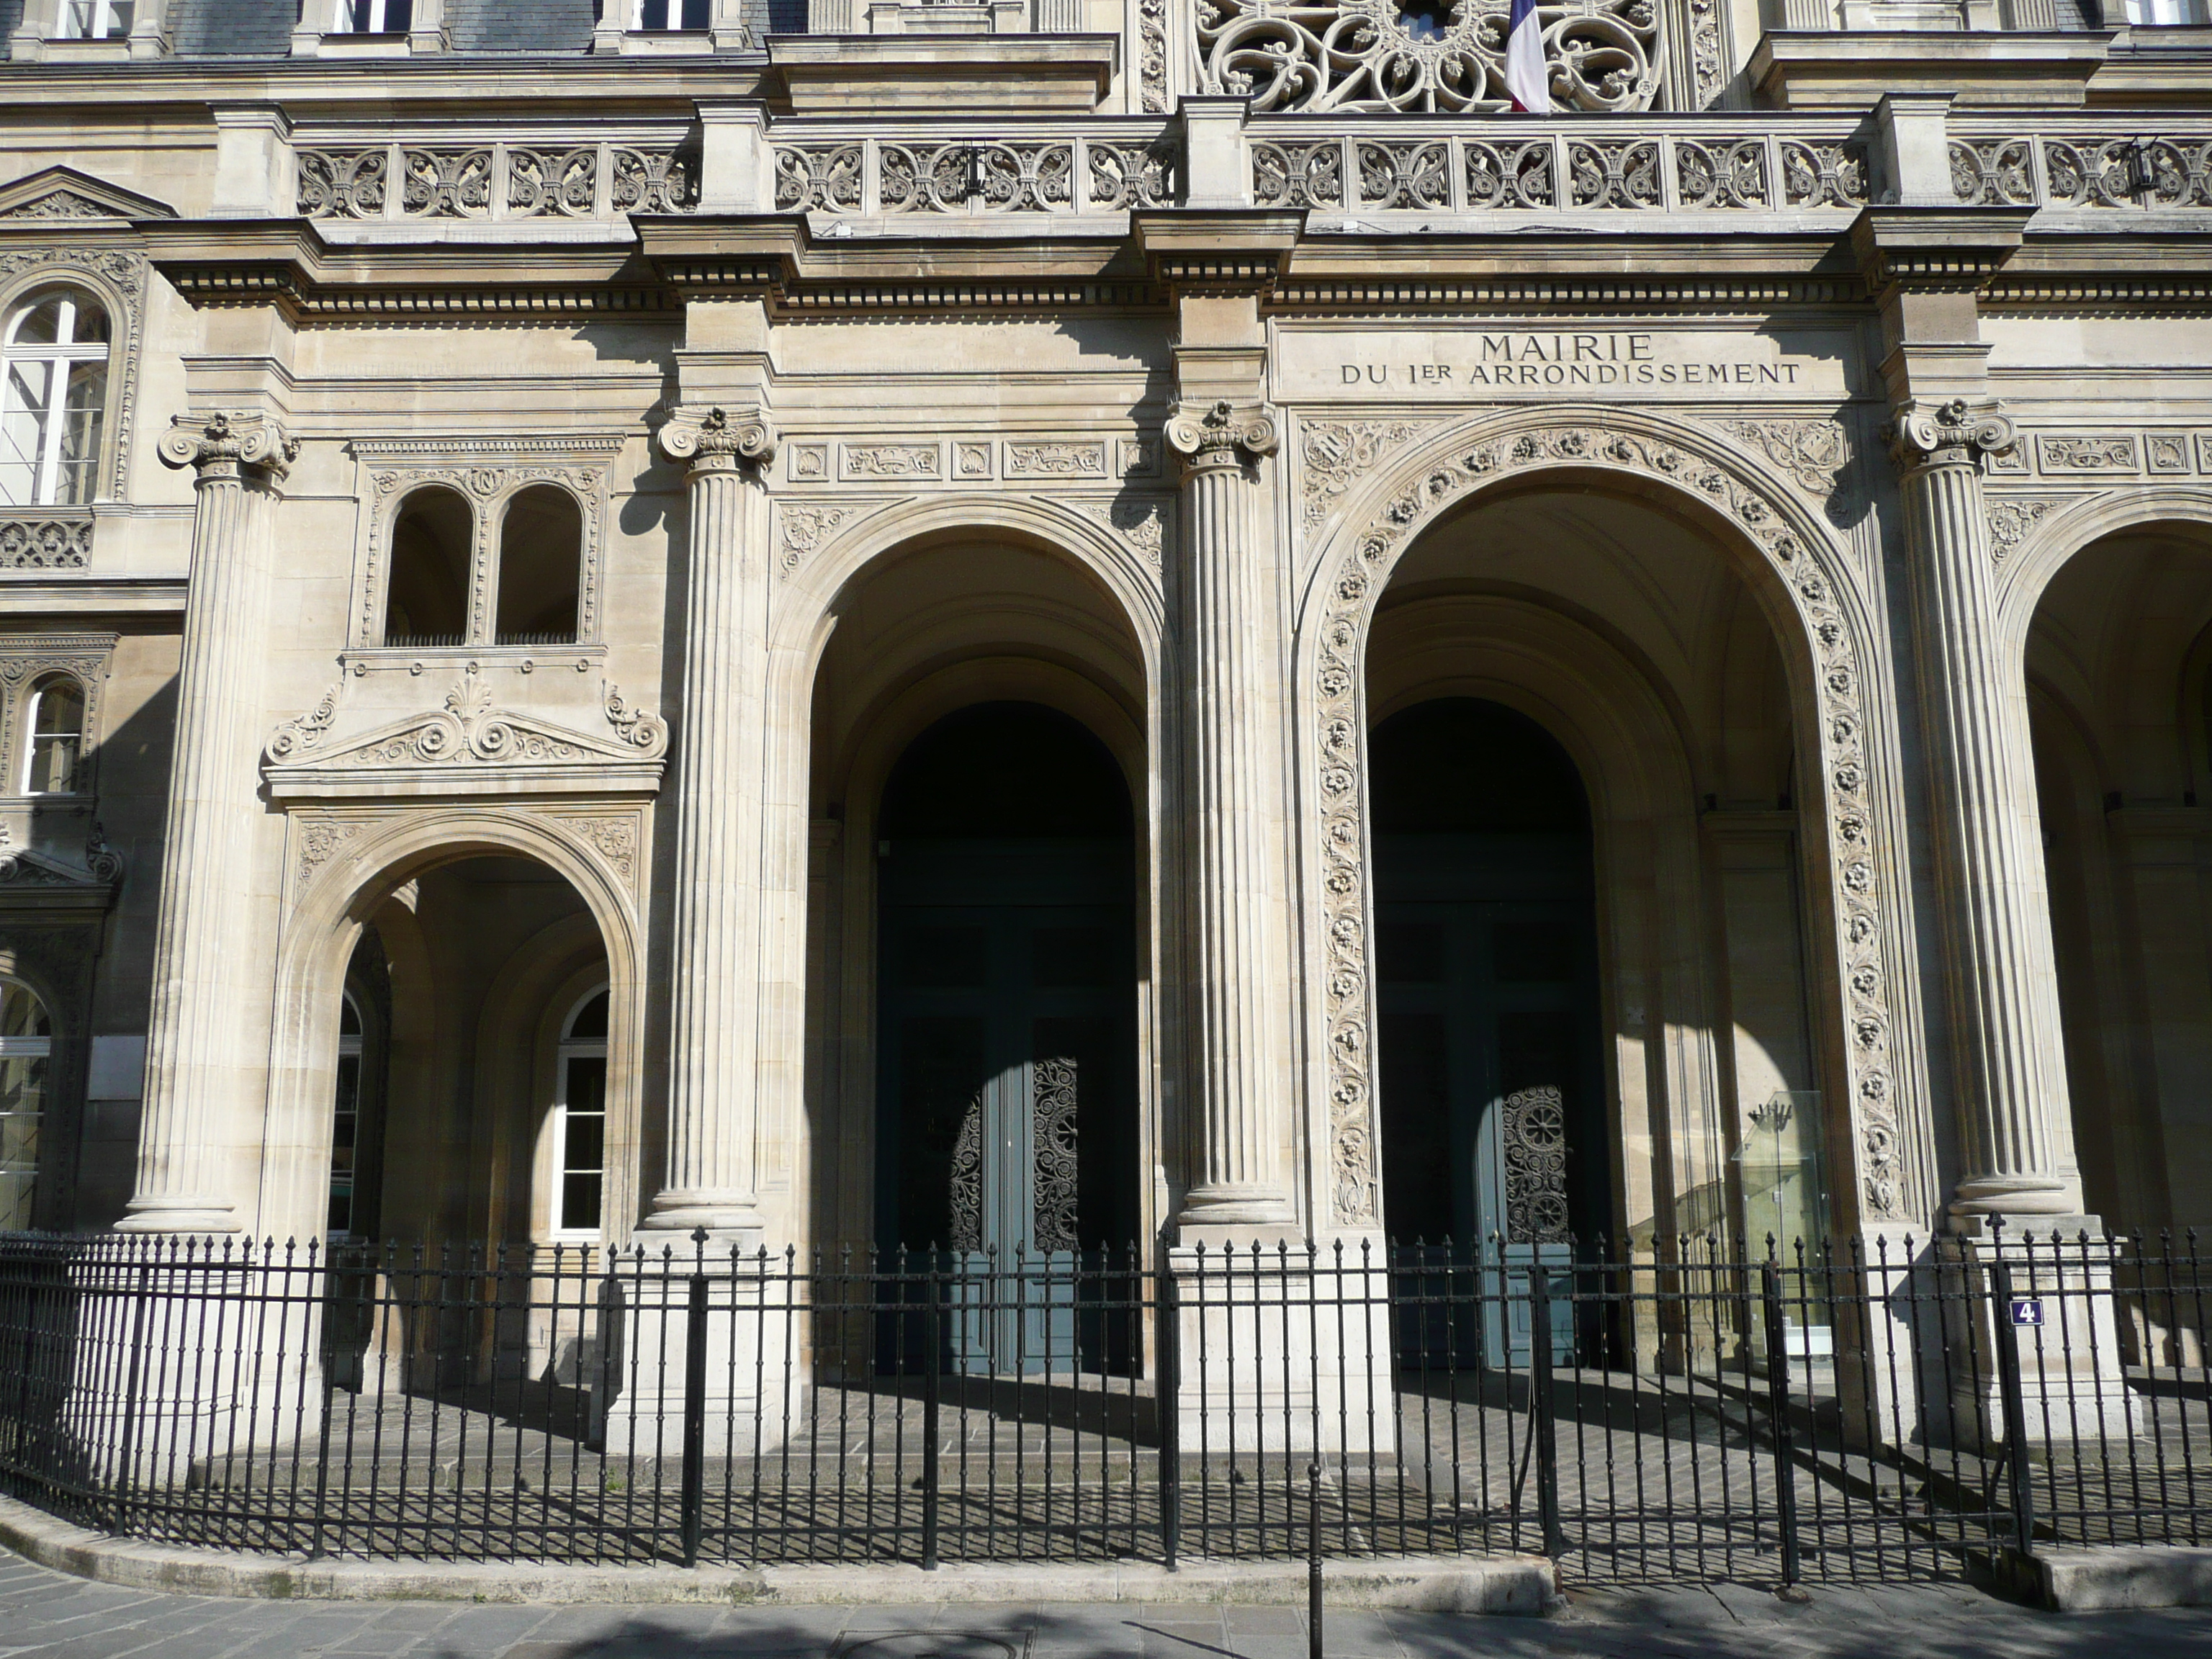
(57, 1616)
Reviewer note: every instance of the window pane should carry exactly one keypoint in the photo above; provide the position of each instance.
(22, 1103)
(81, 411)
(587, 1141)
(22, 1013)
(580, 1201)
(591, 1020)
(41, 324)
(23, 432)
(587, 1087)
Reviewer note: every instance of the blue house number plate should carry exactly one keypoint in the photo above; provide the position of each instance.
(2026, 1310)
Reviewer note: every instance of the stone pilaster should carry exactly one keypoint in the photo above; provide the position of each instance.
(1239, 970)
(196, 1032)
(713, 1180)
(1990, 891)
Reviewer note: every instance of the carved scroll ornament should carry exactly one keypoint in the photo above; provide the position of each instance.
(713, 440)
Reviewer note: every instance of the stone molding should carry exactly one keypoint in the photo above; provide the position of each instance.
(465, 745)
(1871, 959)
(612, 837)
(224, 447)
(87, 659)
(1222, 433)
(118, 276)
(714, 440)
(972, 458)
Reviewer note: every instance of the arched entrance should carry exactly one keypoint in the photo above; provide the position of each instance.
(1493, 1101)
(1006, 1047)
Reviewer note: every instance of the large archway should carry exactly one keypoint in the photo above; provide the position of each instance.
(1635, 584)
(982, 775)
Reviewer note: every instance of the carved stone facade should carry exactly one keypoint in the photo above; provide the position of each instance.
(1818, 457)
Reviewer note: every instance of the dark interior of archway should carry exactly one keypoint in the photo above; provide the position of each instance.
(427, 603)
(1488, 1040)
(1006, 1012)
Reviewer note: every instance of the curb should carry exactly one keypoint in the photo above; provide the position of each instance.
(1516, 1585)
(2107, 1580)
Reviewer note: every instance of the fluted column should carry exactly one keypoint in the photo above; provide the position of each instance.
(1995, 908)
(196, 1033)
(714, 987)
(1233, 804)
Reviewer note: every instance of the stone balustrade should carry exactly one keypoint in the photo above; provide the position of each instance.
(1103, 167)
(552, 179)
(2090, 163)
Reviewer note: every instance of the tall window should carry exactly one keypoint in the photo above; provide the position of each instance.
(541, 561)
(2169, 13)
(96, 20)
(57, 751)
(670, 14)
(428, 601)
(27, 1041)
(375, 16)
(345, 1123)
(580, 1120)
(56, 348)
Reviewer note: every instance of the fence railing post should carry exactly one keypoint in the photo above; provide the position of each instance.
(694, 1498)
(1540, 1404)
(2018, 1479)
(1777, 1403)
(1168, 1409)
(932, 1388)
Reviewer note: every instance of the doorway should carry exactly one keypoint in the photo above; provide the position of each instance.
(1007, 1031)
(1485, 931)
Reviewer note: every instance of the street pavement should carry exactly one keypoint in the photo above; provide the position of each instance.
(58, 1617)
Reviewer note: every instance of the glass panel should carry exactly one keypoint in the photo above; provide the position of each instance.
(23, 432)
(22, 1103)
(22, 1013)
(583, 1141)
(590, 1021)
(580, 1201)
(56, 742)
(83, 405)
(41, 324)
(91, 321)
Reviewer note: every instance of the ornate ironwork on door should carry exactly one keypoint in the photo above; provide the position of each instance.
(967, 1195)
(1535, 1166)
(1052, 1121)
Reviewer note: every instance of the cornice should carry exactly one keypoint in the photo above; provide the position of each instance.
(1942, 249)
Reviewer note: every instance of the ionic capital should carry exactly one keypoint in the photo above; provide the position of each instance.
(715, 440)
(1222, 435)
(1955, 433)
(224, 447)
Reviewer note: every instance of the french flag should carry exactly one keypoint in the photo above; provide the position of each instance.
(1525, 81)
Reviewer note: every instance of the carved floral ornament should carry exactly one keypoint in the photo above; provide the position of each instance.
(1761, 514)
(1365, 56)
(466, 731)
(1955, 433)
(224, 446)
(715, 440)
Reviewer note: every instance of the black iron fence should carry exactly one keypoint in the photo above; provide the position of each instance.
(1826, 1411)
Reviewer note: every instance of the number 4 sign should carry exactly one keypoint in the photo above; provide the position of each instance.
(2026, 1310)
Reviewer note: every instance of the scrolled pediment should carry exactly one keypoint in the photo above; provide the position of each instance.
(466, 746)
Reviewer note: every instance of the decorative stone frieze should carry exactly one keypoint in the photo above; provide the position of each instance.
(1138, 520)
(1333, 455)
(60, 539)
(1365, 56)
(2011, 518)
(1816, 454)
(1860, 846)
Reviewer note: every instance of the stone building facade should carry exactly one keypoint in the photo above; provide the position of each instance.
(1006, 624)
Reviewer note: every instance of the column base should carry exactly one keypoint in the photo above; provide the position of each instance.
(1223, 1212)
(2040, 1197)
(1281, 1354)
(755, 1374)
(186, 1215)
(726, 1219)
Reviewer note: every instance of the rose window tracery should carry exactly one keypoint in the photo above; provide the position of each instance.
(1420, 56)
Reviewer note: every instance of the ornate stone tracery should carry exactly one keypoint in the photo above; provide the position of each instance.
(1351, 584)
(1362, 55)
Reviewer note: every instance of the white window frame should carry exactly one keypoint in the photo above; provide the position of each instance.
(31, 734)
(61, 356)
(34, 1048)
(103, 17)
(379, 13)
(574, 1049)
(638, 25)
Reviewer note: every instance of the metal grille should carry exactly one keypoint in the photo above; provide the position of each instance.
(1702, 1415)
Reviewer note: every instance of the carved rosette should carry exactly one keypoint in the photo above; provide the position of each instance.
(1764, 515)
(1222, 435)
(228, 449)
(1955, 433)
(716, 441)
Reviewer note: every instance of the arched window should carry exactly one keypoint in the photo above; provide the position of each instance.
(580, 1120)
(27, 1041)
(56, 348)
(541, 560)
(427, 603)
(57, 748)
(345, 1121)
